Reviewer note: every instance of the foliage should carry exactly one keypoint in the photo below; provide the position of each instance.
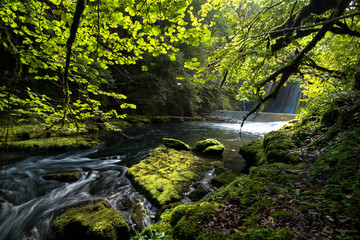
(47, 44)
(271, 43)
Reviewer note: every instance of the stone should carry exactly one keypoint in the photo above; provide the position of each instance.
(137, 215)
(209, 147)
(63, 176)
(167, 174)
(215, 150)
(202, 145)
(175, 144)
(94, 221)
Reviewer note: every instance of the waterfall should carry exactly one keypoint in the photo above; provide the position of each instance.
(287, 99)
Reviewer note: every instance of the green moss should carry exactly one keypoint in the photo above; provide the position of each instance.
(215, 150)
(188, 224)
(175, 144)
(202, 145)
(95, 221)
(209, 147)
(275, 147)
(54, 143)
(137, 215)
(223, 179)
(252, 233)
(197, 194)
(166, 174)
(283, 234)
(261, 204)
(251, 221)
(253, 153)
(281, 215)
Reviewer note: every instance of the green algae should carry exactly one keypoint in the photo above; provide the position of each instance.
(95, 221)
(166, 174)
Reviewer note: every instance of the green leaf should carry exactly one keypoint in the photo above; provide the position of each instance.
(172, 57)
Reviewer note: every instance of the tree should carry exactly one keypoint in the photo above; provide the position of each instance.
(274, 42)
(71, 45)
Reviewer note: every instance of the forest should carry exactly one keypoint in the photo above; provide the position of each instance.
(76, 75)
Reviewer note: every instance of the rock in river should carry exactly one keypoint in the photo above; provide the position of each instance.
(95, 221)
(63, 176)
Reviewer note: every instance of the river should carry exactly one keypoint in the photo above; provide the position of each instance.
(31, 203)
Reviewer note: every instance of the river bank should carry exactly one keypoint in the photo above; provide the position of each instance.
(34, 136)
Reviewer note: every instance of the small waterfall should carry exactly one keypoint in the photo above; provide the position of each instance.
(287, 99)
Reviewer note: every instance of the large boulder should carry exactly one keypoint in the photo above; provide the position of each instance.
(209, 147)
(167, 174)
(275, 147)
(95, 221)
(175, 144)
(63, 176)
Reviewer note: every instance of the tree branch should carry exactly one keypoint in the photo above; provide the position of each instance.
(308, 26)
(313, 64)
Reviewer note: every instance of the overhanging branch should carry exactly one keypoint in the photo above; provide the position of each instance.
(292, 67)
(307, 26)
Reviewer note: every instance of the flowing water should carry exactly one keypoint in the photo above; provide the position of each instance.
(31, 203)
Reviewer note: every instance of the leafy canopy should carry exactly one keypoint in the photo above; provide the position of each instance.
(314, 42)
(72, 45)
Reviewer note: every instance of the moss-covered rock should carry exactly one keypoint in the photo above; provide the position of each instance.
(166, 174)
(175, 144)
(63, 176)
(215, 150)
(253, 152)
(209, 147)
(96, 221)
(202, 145)
(187, 219)
(54, 143)
(137, 215)
(275, 147)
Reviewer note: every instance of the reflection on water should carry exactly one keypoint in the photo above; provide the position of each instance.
(30, 203)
